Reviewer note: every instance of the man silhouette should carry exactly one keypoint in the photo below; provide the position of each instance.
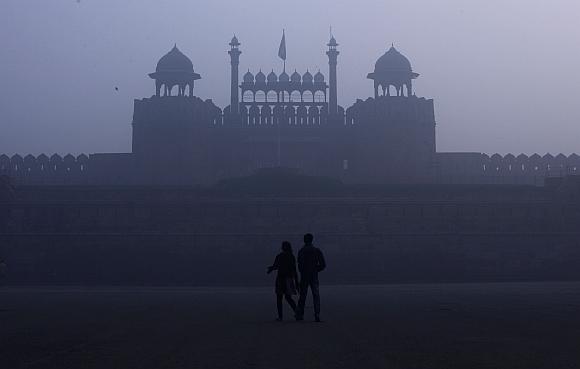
(310, 263)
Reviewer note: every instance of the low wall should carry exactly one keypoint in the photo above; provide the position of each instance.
(190, 236)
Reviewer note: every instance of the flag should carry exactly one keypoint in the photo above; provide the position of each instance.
(282, 49)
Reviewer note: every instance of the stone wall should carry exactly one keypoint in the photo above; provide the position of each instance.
(393, 140)
(46, 170)
(450, 168)
(183, 141)
(477, 168)
(142, 236)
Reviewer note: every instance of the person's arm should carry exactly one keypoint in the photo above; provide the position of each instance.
(274, 266)
(321, 262)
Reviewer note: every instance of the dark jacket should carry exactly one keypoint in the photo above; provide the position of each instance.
(310, 261)
(287, 278)
(285, 264)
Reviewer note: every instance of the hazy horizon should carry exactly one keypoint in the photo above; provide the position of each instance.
(504, 75)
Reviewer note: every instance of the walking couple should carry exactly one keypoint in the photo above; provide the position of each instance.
(310, 263)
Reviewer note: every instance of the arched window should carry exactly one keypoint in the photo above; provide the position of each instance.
(295, 96)
(248, 96)
(319, 96)
(307, 96)
(174, 90)
(381, 90)
(284, 96)
(272, 96)
(260, 96)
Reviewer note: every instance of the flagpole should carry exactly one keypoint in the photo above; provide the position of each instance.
(279, 120)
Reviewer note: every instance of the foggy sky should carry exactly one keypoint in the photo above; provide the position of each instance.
(505, 74)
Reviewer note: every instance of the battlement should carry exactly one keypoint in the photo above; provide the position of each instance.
(392, 109)
(42, 169)
(175, 109)
(508, 169)
(451, 168)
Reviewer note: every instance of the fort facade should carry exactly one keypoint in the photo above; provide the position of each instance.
(290, 120)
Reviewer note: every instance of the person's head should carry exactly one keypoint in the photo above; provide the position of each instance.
(308, 238)
(286, 247)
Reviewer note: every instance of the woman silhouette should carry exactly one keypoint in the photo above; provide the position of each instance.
(287, 278)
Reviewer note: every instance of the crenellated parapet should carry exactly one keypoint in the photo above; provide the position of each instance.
(504, 169)
(392, 109)
(165, 110)
(42, 169)
(534, 165)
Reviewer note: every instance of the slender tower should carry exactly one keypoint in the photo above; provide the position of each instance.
(235, 58)
(332, 61)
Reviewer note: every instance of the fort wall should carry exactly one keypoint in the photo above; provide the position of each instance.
(477, 168)
(285, 121)
(142, 236)
(450, 168)
(393, 140)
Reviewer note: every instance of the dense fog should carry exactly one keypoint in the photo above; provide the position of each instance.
(504, 74)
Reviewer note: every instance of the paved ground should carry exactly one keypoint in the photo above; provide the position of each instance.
(401, 326)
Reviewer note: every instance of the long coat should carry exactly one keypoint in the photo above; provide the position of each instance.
(287, 277)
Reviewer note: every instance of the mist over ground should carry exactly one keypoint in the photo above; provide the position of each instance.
(504, 74)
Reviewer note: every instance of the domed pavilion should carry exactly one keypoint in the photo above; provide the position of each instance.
(174, 69)
(393, 69)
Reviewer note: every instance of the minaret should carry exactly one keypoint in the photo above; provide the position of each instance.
(235, 58)
(332, 61)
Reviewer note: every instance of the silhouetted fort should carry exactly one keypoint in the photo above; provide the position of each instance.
(290, 121)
